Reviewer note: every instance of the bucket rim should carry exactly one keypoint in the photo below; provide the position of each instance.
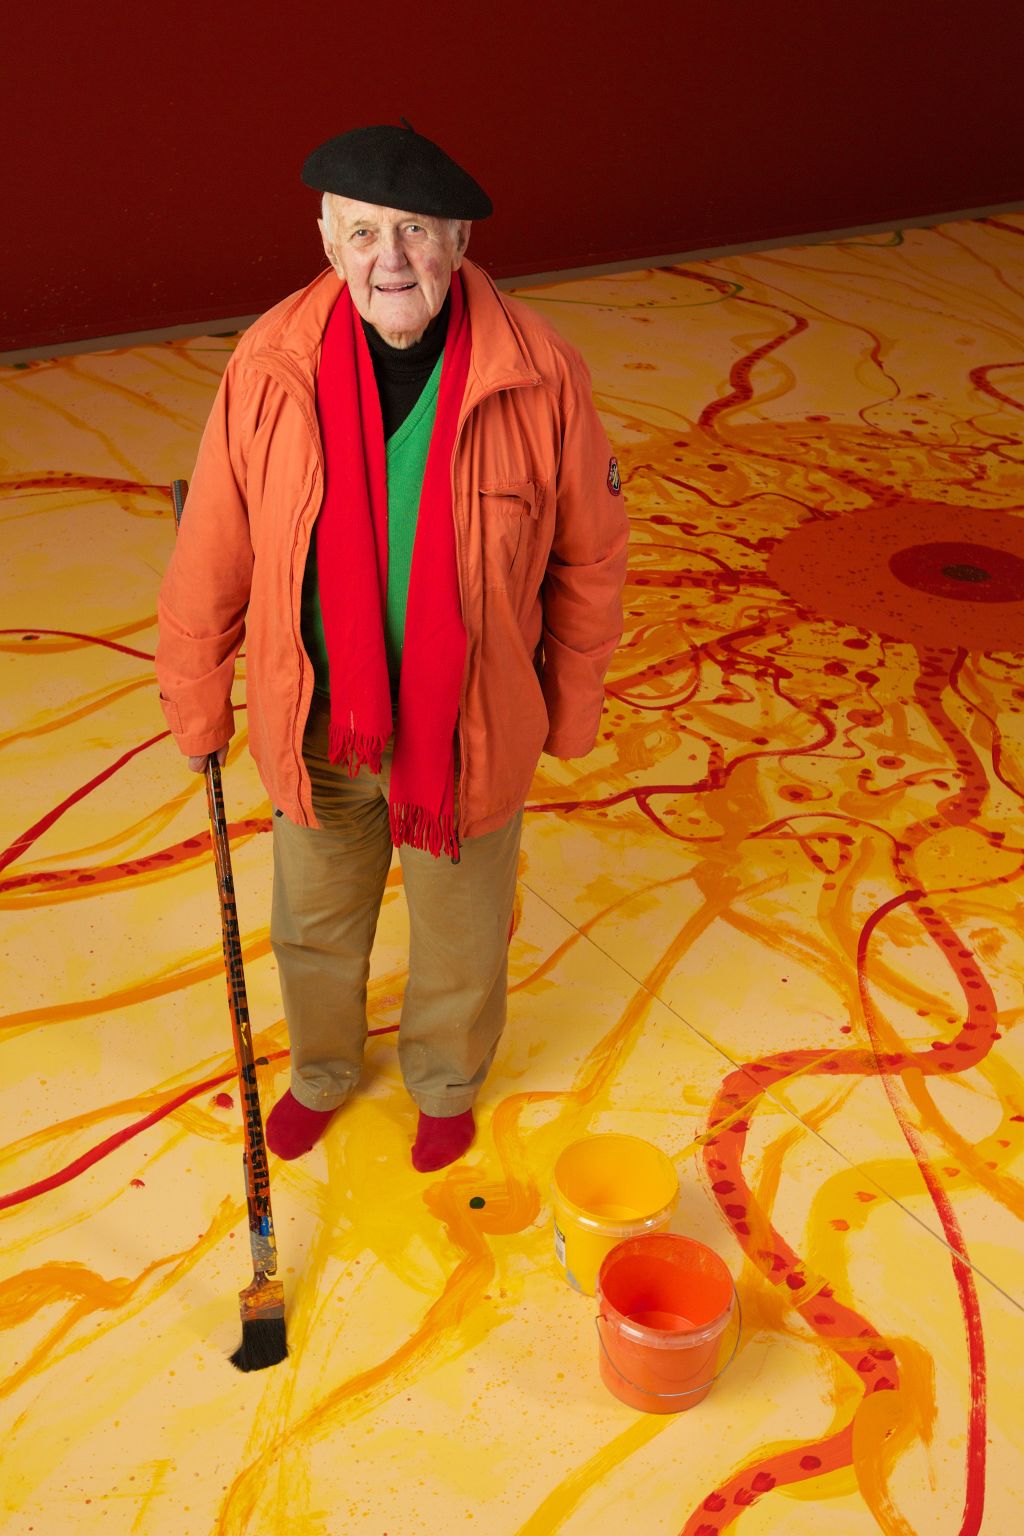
(671, 1338)
(635, 1226)
(660, 1241)
(639, 1226)
(606, 1136)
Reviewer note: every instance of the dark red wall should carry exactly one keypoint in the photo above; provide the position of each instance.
(152, 150)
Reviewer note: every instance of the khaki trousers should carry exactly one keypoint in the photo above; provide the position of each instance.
(328, 887)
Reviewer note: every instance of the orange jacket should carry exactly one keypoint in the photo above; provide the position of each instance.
(541, 537)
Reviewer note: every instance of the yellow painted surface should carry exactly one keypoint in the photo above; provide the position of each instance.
(753, 924)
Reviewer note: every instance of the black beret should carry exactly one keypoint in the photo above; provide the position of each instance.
(396, 168)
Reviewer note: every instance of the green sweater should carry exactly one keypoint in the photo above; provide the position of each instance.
(406, 461)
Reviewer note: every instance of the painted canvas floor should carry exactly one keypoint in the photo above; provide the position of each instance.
(772, 924)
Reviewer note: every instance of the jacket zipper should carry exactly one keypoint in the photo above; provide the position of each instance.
(460, 555)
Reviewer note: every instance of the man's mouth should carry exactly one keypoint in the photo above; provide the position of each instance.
(394, 287)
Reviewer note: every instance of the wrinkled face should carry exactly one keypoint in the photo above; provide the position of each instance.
(398, 266)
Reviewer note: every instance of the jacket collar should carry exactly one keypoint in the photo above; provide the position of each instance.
(290, 335)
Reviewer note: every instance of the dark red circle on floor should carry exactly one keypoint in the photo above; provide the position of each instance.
(966, 573)
(905, 570)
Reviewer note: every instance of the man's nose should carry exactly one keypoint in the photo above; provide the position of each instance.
(392, 252)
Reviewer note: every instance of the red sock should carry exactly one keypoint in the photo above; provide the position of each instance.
(292, 1129)
(440, 1141)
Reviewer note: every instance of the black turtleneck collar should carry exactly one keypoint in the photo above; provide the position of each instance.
(427, 349)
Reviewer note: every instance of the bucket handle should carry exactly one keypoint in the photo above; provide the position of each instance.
(645, 1391)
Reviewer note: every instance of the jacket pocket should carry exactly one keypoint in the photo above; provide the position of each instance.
(509, 509)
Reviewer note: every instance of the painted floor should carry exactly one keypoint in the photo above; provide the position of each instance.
(772, 924)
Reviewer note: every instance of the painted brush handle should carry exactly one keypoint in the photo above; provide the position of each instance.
(257, 1172)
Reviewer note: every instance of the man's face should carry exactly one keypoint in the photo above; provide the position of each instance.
(398, 266)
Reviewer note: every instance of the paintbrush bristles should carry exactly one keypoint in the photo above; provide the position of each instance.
(264, 1343)
(263, 1334)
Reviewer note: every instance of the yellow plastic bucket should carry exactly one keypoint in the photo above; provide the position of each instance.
(605, 1189)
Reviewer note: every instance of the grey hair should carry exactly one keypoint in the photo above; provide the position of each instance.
(453, 224)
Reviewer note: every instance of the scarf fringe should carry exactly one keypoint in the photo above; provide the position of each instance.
(353, 749)
(417, 827)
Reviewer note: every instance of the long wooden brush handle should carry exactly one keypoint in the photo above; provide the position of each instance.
(254, 1158)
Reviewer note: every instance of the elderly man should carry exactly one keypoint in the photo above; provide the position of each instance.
(406, 502)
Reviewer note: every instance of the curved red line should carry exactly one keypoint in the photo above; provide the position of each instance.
(111, 1143)
(739, 374)
(27, 838)
(830, 1319)
(979, 377)
(119, 1138)
(68, 482)
(72, 634)
(87, 877)
(974, 1497)
(749, 1485)
(728, 1121)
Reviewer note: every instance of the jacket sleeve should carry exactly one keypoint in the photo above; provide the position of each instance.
(582, 591)
(205, 591)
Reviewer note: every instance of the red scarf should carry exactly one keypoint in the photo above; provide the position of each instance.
(352, 555)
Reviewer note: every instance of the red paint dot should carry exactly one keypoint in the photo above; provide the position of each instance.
(810, 1463)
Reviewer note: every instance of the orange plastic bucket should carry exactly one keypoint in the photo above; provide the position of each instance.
(663, 1304)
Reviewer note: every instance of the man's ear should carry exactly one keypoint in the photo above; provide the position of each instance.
(461, 241)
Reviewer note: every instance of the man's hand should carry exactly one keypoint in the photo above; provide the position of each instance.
(198, 764)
